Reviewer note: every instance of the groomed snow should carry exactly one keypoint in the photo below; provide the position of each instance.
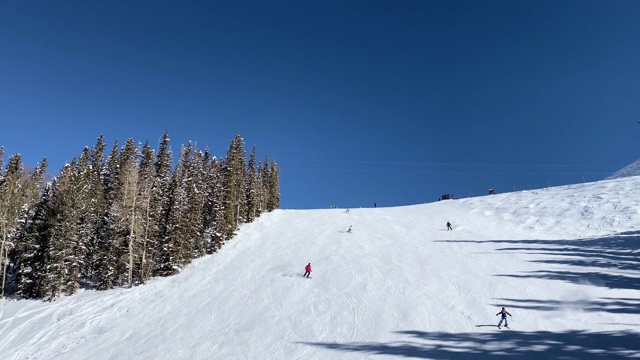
(563, 261)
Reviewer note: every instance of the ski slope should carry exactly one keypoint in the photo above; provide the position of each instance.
(563, 261)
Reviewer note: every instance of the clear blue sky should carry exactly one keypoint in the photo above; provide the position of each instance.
(394, 102)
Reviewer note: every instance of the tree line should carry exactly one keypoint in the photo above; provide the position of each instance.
(117, 220)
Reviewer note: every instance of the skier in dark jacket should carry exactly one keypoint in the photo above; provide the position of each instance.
(503, 317)
(449, 226)
(307, 270)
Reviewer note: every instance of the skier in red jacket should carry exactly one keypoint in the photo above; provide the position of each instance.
(307, 270)
(503, 317)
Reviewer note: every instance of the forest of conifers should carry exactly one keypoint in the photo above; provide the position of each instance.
(119, 219)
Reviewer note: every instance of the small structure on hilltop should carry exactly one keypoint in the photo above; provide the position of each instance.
(447, 197)
(492, 192)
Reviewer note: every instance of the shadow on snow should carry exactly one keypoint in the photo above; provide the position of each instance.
(611, 305)
(599, 256)
(608, 261)
(507, 344)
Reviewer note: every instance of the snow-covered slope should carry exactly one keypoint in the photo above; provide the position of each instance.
(563, 261)
(632, 169)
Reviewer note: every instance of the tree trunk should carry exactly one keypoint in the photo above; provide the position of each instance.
(4, 255)
(143, 264)
(131, 238)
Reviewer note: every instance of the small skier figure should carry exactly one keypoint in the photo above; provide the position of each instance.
(449, 226)
(503, 317)
(349, 231)
(347, 211)
(307, 270)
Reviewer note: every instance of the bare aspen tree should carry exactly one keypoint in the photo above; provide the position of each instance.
(132, 224)
(129, 176)
(145, 239)
(146, 179)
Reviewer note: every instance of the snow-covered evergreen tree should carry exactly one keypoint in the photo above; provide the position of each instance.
(67, 250)
(263, 173)
(159, 209)
(212, 206)
(233, 204)
(184, 225)
(26, 256)
(273, 199)
(95, 214)
(10, 207)
(120, 221)
(161, 205)
(196, 192)
(33, 250)
(106, 256)
(254, 187)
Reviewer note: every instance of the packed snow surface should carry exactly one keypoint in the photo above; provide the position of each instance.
(563, 261)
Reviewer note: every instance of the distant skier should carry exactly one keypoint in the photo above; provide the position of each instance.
(307, 270)
(449, 227)
(375, 205)
(503, 317)
(349, 231)
(347, 211)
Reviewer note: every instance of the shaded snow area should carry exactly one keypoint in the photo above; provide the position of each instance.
(563, 261)
(632, 169)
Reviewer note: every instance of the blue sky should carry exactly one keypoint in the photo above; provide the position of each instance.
(392, 102)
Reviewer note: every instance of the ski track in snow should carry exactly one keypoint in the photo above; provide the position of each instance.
(562, 260)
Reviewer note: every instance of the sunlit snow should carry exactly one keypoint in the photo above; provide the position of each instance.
(563, 261)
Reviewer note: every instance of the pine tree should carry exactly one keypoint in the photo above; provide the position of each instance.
(223, 225)
(53, 271)
(95, 215)
(33, 250)
(161, 207)
(273, 197)
(239, 170)
(10, 208)
(105, 273)
(233, 205)
(169, 251)
(26, 256)
(265, 176)
(253, 188)
(18, 240)
(212, 206)
(122, 220)
(110, 175)
(84, 202)
(184, 224)
(67, 249)
(196, 191)
(34, 184)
